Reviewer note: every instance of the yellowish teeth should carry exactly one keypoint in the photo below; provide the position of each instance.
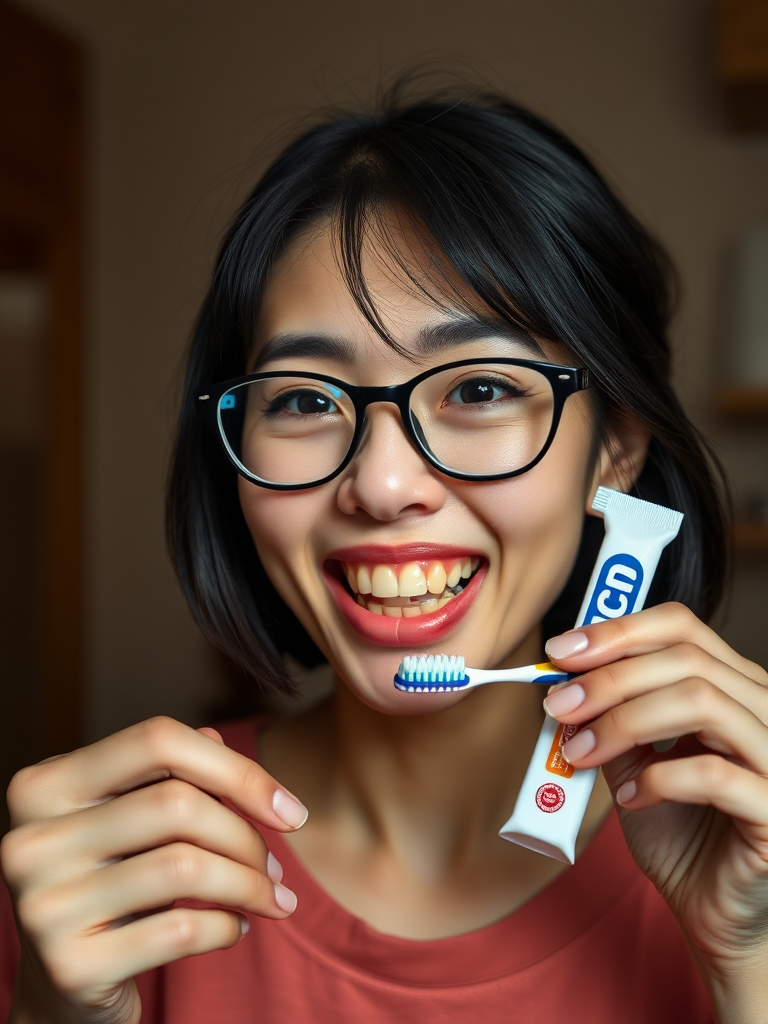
(412, 581)
(436, 577)
(364, 585)
(384, 582)
(454, 575)
(400, 589)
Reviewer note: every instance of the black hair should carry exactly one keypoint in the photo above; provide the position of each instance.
(509, 204)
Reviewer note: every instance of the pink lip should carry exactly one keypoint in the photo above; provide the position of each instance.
(415, 632)
(397, 553)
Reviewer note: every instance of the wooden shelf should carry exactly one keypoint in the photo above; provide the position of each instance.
(752, 538)
(742, 62)
(743, 402)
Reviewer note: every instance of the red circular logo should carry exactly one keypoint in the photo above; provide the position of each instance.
(550, 797)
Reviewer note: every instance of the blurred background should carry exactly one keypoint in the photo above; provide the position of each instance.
(129, 132)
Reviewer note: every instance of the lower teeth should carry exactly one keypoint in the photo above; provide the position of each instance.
(413, 608)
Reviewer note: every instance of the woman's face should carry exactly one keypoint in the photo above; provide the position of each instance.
(514, 541)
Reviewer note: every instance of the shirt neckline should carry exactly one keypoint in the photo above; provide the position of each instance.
(558, 915)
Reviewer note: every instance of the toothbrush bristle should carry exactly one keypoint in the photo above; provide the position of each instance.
(431, 673)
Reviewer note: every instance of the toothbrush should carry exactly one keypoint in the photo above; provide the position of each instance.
(438, 673)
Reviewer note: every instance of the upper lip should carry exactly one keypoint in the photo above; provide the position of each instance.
(391, 554)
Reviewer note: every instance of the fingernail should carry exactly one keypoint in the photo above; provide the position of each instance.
(566, 644)
(626, 792)
(582, 744)
(285, 899)
(274, 870)
(562, 702)
(288, 809)
(245, 925)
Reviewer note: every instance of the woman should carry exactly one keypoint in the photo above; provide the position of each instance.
(467, 253)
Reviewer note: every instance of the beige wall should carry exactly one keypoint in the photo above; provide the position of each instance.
(184, 94)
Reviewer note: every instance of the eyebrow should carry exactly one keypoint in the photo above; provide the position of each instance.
(430, 341)
(438, 337)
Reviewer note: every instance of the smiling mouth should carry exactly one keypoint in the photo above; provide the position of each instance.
(408, 589)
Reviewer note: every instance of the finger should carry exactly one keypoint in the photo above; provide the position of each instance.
(150, 880)
(644, 632)
(706, 779)
(688, 707)
(89, 967)
(157, 749)
(65, 847)
(213, 734)
(619, 681)
(172, 935)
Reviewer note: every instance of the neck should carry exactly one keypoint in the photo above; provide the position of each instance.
(404, 811)
(437, 787)
(432, 788)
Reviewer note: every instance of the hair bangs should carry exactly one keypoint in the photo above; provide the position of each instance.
(391, 218)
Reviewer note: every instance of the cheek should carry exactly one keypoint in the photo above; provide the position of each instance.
(279, 523)
(538, 519)
(553, 493)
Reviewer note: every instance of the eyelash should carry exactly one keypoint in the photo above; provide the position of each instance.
(278, 405)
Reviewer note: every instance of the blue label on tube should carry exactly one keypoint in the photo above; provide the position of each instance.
(616, 591)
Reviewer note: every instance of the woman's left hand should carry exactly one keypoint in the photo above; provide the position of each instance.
(695, 817)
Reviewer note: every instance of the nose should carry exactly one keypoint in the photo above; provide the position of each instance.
(387, 477)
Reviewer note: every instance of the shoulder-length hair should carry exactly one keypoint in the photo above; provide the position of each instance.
(518, 212)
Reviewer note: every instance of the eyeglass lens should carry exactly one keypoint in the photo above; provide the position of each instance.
(477, 420)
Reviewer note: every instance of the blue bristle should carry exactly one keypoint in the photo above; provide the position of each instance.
(431, 673)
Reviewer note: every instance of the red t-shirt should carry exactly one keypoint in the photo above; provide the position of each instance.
(597, 946)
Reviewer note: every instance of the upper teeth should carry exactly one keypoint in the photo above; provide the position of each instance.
(411, 579)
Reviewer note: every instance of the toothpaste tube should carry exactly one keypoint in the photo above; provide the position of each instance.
(553, 797)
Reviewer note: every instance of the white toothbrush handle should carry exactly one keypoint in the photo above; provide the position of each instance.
(480, 676)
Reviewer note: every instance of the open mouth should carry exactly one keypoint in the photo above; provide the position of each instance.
(407, 589)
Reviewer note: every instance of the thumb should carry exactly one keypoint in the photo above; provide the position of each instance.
(212, 733)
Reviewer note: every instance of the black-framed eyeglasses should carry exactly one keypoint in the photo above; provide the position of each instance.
(474, 419)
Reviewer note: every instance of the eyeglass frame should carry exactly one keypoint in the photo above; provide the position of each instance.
(564, 381)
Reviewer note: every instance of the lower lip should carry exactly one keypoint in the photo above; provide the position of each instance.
(409, 632)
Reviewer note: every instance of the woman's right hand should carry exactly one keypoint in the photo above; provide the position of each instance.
(104, 839)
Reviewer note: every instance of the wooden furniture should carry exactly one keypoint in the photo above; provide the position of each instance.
(743, 403)
(742, 62)
(752, 537)
(738, 403)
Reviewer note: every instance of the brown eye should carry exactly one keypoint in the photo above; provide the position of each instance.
(304, 403)
(476, 391)
(483, 390)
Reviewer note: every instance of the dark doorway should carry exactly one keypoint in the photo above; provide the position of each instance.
(41, 116)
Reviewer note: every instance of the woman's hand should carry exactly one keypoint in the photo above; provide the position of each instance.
(105, 839)
(695, 817)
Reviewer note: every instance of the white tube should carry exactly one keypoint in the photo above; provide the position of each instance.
(553, 797)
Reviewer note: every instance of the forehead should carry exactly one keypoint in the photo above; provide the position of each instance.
(424, 308)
